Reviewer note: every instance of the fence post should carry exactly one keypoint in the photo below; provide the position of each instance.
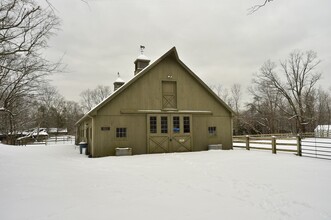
(273, 144)
(299, 146)
(247, 142)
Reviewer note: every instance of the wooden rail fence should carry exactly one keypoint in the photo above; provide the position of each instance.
(50, 140)
(317, 148)
(302, 145)
(273, 143)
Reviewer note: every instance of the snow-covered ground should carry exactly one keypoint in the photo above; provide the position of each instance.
(56, 182)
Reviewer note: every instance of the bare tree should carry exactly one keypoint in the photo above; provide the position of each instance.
(300, 78)
(236, 96)
(72, 112)
(258, 6)
(51, 110)
(235, 101)
(24, 30)
(25, 27)
(323, 108)
(86, 100)
(265, 104)
(50, 106)
(90, 98)
(223, 93)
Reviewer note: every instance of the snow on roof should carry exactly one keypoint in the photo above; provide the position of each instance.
(142, 57)
(41, 133)
(34, 132)
(57, 130)
(119, 80)
(323, 127)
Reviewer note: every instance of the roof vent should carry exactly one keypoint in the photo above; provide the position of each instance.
(119, 82)
(141, 62)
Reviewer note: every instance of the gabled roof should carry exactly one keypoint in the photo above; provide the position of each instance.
(173, 53)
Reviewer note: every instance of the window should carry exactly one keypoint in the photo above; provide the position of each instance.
(152, 125)
(176, 124)
(212, 131)
(121, 132)
(164, 125)
(186, 124)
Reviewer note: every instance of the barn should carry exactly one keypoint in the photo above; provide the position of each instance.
(164, 108)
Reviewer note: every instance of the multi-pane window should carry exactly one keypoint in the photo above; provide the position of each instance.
(186, 124)
(121, 132)
(164, 125)
(212, 131)
(176, 124)
(152, 125)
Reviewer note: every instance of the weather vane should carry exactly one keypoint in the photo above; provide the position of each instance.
(142, 49)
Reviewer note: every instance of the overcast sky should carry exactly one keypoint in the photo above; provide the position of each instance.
(216, 39)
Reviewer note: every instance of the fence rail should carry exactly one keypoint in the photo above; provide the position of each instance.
(283, 143)
(317, 148)
(277, 135)
(44, 141)
(61, 139)
(304, 145)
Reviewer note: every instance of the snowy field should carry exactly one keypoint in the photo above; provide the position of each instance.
(56, 182)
